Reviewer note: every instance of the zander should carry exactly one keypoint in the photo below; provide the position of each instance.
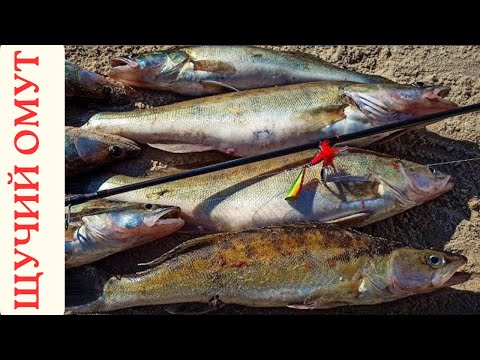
(87, 150)
(302, 266)
(209, 70)
(257, 121)
(363, 188)
(82, 83)
(101, 228)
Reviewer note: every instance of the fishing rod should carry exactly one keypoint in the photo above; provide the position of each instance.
(333, 140)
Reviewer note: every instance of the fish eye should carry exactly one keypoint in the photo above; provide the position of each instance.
(419, 84)
(148, 206)
(433, 171)
(116, 151)
(107, 90)
(435, 260)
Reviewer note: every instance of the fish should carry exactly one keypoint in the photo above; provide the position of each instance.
(86, 150)
(256, 121)
(84, 84)
(211, 70)
(362, 187)
(101, 228)
(301, 266)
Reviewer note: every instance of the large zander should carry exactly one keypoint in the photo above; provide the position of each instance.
(257, 121)
(364, 187)
(209, 70)
(303, 266)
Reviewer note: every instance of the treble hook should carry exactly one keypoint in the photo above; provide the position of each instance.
(326, 154)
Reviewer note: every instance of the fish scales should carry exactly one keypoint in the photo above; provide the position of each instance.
(227, 269)
(253, 195)
(208, 70)
(261, 120)
(303, 265)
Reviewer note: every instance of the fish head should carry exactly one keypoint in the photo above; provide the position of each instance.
(148, 70)
(406, 182)
(423, 182)
(133, 224)
(413, 184)
(102, 88)
(395, 102)
(400, 184)
(84, 83)
(422, 270)
(96, 148)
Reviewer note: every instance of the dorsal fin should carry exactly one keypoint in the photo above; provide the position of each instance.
(187, 246)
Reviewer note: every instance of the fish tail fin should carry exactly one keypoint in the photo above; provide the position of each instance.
(77, 116)
(79, 112)
(84, 290)
(86, 183)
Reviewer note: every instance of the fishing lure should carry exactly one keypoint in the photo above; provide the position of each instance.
(326, 154)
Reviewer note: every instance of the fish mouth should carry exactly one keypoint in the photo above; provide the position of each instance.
(123, 62)
(458, 278)
(438, 92)
(436, 95)
(443, 184)
(414, 195)
(451, 276)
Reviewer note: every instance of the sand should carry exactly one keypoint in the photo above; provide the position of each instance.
(450, 222)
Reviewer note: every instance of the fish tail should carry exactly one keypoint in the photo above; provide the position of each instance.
(77, 116)
(84, 183)
(84, 290)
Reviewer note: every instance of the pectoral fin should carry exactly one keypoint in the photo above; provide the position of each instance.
(189, 308)
(218, 85)
(350, 220)
(182, 148)
(301, 306)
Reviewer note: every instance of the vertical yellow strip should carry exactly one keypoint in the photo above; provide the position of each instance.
(32, 173)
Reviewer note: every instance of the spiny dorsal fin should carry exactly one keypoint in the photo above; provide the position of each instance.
(206, 240)
(187, 246)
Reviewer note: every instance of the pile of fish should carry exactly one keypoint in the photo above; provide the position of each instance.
(262, 250)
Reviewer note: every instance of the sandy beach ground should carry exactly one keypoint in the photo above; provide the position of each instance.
(451, 222)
